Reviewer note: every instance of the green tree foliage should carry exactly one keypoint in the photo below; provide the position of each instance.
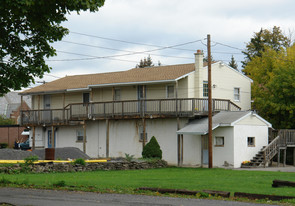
(152, 149)
(263, 39)
(233, 63)
(146, 62)
(27, 28)
(273, 89)
(6, 121)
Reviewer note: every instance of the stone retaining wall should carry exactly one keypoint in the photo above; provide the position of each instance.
(68, 167)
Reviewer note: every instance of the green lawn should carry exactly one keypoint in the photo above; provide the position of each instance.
(178, 178)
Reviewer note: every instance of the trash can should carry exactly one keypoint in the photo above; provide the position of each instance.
(49, 153)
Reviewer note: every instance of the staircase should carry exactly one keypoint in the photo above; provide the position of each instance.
(265, 155)
(285, 138)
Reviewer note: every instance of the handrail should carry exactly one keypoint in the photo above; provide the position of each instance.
(271, 150)
(176, 107)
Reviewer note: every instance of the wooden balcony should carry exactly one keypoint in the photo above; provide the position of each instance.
(132, 109)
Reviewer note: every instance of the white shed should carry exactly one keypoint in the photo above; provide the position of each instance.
(237, 136)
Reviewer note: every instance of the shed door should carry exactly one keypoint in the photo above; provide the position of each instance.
(205, 156)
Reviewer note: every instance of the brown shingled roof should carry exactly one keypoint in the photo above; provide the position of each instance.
(159, 73)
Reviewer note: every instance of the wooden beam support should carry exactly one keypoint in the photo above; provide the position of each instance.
(33, 140)
(178, 144)
(144, 132)
(53, 136)
(84, 137)
(285, 157)
(107, 137)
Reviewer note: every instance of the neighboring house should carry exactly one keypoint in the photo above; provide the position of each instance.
(10, 105)
(110, 114)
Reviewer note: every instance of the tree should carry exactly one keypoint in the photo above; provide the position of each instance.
(233, 63)
(146, 62)
(273, 89)
(6, 121)
(27, 28)
(274, 39)
(152, 149)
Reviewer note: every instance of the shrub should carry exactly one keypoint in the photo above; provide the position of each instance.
(129, 157)
(3, 145)
(80, 161)
(152, 149)
(31, 159)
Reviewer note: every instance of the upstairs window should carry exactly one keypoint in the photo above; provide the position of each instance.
(170, 91)
(205, 88)
(86, 98)
(117, 94)
(237, 94)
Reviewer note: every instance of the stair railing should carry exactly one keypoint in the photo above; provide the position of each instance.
(271, 150)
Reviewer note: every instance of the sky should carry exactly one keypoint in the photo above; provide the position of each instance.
(123, 32)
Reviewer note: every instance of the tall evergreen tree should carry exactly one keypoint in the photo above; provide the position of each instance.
(274, 39)
(233, 63)
(146, 62)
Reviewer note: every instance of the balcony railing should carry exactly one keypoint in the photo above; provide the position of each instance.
(151, 108)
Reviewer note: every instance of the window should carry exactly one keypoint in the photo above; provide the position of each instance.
(86, 98)
(80, 135)
(117, 94)
(251, 141)
(219, 141)
(237, 94)
(141, 134)
(170, 91)
(205, 89)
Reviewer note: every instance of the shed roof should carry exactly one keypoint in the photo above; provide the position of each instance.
(221, 119)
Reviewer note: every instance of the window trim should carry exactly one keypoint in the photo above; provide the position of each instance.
(239, 94)
(167, 91)
(115, 94)
(219, 145)
(77, 136)
(83, 98)
(207, 92)
(251, 145)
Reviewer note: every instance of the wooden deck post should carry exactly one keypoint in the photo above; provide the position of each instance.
(181, 143)
(52, 137)
(293, 156)
(33, 143)
(144, 132)
(279, 157)
(285, 157)
(107, 137)
(178, 144)
(84, 137)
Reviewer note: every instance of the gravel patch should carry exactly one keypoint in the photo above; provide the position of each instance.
(60, 153)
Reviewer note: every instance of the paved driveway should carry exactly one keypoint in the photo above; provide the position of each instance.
(17, 196)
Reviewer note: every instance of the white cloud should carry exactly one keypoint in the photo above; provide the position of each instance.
(164, 23)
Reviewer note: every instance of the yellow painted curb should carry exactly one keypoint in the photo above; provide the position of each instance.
(55, 161)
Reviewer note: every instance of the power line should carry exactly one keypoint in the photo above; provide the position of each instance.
(120, 55)
(94, 46)
(124, 41)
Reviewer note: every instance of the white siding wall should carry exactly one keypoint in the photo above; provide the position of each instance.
(192, 150)
(226, 153)
(241, 150)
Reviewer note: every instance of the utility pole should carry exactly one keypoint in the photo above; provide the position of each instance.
(209, 102)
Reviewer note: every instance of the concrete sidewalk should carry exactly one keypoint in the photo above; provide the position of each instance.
(288, 168)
